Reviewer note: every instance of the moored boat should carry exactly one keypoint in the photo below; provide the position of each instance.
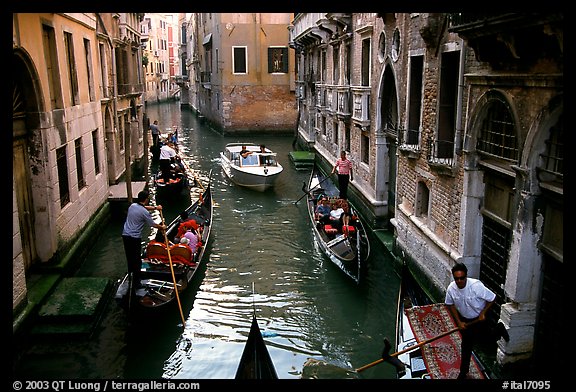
(258, 170)
(162, 264)
(348, 247)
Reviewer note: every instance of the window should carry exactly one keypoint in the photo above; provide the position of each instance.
(95, 151)
(415, 100)
(449, 72)
(79, 167)
(335, 132)
(104, 71)
(72, 74)
(365, 147)
(90, 75)
(497, 135)
(239, 60)
(62, 166)
(395, 50)
(336, 65)
(422, 200)
(365, 62)
(278, 60)
(49, 43)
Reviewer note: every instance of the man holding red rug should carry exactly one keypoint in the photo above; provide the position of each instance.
(469, 300)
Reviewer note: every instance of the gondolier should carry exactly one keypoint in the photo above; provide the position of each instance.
(469, 300)
(344, 167)
(138, 216)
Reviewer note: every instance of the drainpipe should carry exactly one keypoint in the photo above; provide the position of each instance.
(459, 126)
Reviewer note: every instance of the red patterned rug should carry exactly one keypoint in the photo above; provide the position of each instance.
(442, 356)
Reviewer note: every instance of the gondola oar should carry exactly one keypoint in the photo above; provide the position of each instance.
(172, 270)
(391, 358)
(310, 190)
(192, 171)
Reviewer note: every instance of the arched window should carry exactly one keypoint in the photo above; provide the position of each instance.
(497, 135)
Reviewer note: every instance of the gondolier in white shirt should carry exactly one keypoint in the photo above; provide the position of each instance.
(469, 300)
(167, 156)
(344, 167)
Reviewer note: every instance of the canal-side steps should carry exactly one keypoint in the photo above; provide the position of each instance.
(74, 308)
(302, 160)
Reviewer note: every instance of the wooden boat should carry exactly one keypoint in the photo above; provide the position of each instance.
(422, 361)
(258, 171)
(348, 249)
(156, 273)
(178, 180)
(255, 362)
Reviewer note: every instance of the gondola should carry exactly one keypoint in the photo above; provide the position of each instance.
(349, 248)
(435, 356)
(158, 263)
(176, 185)
(178, 179)
(255, 362)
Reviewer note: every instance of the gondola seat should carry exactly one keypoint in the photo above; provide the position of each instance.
(329, 229)
(349, 229)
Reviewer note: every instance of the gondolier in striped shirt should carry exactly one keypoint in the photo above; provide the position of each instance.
(344, 167)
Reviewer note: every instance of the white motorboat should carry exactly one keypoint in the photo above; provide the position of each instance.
(256, 170)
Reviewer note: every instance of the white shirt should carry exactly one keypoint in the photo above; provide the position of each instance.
(470, 300)
(167, 152)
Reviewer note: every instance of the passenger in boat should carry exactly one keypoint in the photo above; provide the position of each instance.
(336, 215)
(344, 167)
(167, 156)
(173, 138)
(138, 216)
(469, 300)
(346, 216)
(322, 212)
(244, 152)
(186, 224)
(192, 236)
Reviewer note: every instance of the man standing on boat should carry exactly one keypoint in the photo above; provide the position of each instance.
(155, 133)
(344, 167)
(469, 300)
(138, 216)
(167, 156)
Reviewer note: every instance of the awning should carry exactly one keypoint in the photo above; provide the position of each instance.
(207, 39)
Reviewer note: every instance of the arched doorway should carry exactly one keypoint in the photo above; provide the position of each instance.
(24, 117)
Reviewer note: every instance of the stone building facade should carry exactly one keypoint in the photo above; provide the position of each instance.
(239, 71)
(454, 124)
(71, 129)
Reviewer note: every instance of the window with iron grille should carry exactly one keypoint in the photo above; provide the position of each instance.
(278, 60)
(553, 157)
(497, 135)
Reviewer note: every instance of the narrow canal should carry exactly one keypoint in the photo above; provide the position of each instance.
(316, 321)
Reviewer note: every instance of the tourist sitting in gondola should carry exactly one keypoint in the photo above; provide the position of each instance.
(322, 212)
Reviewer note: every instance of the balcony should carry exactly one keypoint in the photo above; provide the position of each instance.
(130, 89)
(361, 105)
(511, 39)
(441, 156)
(409, 142)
